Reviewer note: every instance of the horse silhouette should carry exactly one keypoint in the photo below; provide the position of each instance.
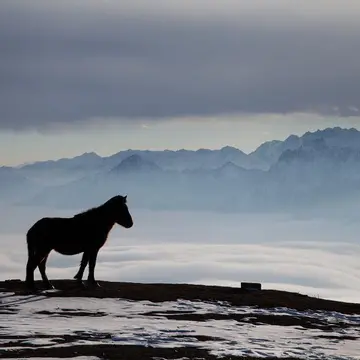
(85, 233)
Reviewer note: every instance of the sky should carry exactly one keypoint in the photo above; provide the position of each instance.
(107, 75)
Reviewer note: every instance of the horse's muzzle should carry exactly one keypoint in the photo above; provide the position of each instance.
(129, 225)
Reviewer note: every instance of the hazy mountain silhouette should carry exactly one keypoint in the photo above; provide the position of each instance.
(269, 153)
(14, 186)
(316, 169)
(134, 163)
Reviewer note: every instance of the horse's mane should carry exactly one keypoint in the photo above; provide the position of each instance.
(97, 209)
(91, 211)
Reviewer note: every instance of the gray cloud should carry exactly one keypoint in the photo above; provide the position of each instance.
(66, 63)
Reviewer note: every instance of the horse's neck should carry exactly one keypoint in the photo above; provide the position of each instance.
(108, 225)
(99, 218)
(106, 221)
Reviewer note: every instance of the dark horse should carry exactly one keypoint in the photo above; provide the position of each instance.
(85, 233)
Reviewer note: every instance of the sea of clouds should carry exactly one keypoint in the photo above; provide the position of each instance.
(314, 256)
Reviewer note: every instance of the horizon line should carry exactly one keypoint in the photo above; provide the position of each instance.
(19, 165)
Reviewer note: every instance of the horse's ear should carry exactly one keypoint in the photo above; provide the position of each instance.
(125, 197)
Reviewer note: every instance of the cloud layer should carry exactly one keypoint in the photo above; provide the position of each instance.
(63, 62)
(316, 257)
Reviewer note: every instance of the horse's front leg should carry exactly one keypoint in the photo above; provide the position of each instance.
(84, 262)
(92, 262)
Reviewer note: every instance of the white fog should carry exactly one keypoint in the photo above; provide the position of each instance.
(316, 256)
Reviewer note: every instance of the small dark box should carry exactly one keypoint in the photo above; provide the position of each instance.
(250, 286)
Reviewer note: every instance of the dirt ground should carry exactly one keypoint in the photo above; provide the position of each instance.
(172, 292)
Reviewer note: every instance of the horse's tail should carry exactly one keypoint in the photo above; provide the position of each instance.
(30, 242)
(30, 247)
(35, 237)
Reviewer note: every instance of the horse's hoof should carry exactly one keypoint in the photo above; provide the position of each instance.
(93, 285)
(81, 284)
(49, 286)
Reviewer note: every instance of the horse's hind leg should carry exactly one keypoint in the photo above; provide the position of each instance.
(31, 263)
(84, 262)
(92, 262)
(42, 269)
(30, 268)
(36, 259)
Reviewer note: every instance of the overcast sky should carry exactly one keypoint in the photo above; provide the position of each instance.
(103, 76)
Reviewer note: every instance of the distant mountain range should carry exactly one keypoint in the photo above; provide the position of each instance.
(318, 169)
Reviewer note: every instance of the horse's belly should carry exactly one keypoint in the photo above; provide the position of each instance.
(69, 250)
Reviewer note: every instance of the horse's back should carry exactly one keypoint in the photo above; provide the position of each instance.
(47, 228)
(64, 235)
(46, 223)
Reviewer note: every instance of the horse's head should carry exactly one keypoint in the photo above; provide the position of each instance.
(120, 211)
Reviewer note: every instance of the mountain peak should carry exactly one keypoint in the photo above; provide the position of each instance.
(135, 163)
(90, 154)
(332, 131)
(270, 152)
(229, 149)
